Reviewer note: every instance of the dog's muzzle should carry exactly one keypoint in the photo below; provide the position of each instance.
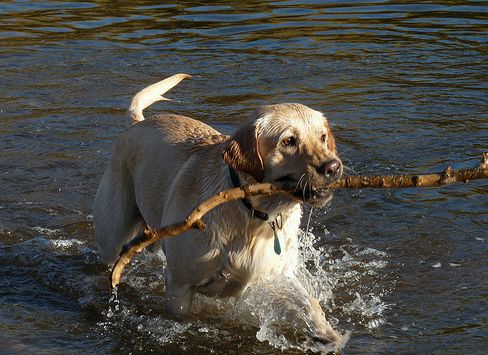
(314, 193)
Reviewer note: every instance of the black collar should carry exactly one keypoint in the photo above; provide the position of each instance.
(237, 183)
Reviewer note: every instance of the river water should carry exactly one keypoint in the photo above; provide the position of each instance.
(405, 85)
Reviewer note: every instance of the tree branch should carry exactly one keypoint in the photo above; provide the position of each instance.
(448, 176)
(193, 220)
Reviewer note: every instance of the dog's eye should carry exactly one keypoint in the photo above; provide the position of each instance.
(323, 138)
(289, 141)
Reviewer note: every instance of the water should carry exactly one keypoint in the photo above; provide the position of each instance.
(405, 86)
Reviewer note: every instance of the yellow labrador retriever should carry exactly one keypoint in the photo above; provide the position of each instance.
(164, 166)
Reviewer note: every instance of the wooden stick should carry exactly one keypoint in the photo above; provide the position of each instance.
(448, 176)
(193, 220)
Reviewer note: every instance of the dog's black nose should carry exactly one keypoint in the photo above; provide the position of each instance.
(330, 168)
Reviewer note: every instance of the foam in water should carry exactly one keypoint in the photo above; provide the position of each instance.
(66, 243)
(46, 231)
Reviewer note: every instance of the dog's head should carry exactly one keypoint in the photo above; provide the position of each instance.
(291, 146)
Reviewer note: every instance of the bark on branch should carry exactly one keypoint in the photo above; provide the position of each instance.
(448, 176)
(193, 220)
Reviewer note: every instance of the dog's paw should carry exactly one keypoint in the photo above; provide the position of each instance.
(333, 343)
(323, 331)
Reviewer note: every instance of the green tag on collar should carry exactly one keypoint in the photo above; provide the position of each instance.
(277, 246)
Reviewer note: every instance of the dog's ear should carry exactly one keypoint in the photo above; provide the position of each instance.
(242, 153)
(331, 144)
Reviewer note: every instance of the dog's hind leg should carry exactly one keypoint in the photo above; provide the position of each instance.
(116, 217)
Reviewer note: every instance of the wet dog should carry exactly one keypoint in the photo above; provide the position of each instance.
(164, 166)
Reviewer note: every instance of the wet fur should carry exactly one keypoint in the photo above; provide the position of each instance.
(163, 166)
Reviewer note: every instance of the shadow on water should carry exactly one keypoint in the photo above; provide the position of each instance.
(404, 85)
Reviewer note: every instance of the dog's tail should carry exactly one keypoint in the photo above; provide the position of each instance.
(146, 97)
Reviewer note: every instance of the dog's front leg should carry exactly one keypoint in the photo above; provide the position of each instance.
(322, 327)
(298, 305)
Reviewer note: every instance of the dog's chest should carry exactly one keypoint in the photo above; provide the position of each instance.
(250, 253)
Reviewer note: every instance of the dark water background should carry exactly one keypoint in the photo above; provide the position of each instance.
(405, 85)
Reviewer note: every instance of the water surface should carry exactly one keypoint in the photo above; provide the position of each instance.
(405, 87)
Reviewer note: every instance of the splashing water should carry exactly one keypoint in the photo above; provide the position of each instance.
(322, 270)
(267, 306)
(266, 310)
(337, 272)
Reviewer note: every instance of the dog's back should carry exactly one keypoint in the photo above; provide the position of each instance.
(144, 163)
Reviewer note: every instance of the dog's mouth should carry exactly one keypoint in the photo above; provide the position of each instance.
(316, 197)
(313, 195)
